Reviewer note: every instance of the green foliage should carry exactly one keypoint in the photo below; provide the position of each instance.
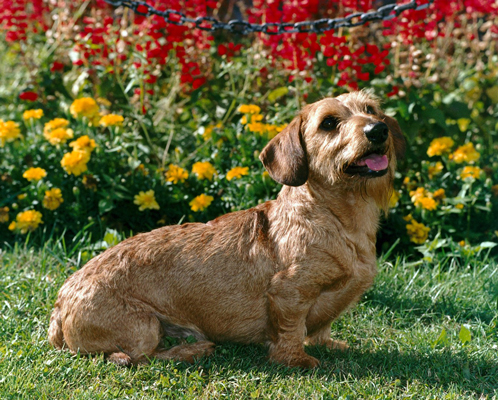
(181, 129)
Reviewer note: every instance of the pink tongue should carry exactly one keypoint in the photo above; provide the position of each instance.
(376, 162)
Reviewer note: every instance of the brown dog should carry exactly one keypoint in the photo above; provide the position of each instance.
(277, 273)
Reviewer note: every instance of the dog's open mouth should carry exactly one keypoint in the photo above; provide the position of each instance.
(372, 165)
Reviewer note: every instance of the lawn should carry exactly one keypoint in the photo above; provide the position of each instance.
(406, 340)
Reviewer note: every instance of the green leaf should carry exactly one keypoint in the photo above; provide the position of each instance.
(105, 205)
(464, 334)
(403, 109)
(442, 339)
(111, 237)
(437, 115)
(277, 93)
(487, 245)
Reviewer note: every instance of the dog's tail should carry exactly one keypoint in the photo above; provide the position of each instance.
(55, 335)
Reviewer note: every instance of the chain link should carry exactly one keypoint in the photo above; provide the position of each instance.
(211, 24)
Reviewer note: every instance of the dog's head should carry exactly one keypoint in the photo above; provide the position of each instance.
(347, 139)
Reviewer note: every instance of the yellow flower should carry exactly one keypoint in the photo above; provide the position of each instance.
(34, 174)
(427, 203)
(55, 123)
(84, 144)
(253, 119)
(59, 136)
(460, 206)
(56, 131)
(440, 146)
(463, 124)
(84, 107)
(146, 200)
(422, 198)
(439, 194)
(249, 109)
(141, 168)
(176, 174)
(435, 169)
(32, 114)
(53, 199)
(90, 182)
(461, 243)
(256, 127)
(273, 130)
(466, 153)
(4, 214)
(394, 198)
(408, 217)
(9, 131)
(473, 172)
(26, 221)
(22, 196)
(418, 194)
(209, 130)
(111, 120)
(103, 101)
(203, 170)
(201, 202)
(237, 172)
(75, 162)
(417, 232)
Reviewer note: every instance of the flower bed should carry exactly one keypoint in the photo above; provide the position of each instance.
(118, 121)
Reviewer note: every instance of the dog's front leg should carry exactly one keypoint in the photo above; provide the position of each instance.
(289, 304)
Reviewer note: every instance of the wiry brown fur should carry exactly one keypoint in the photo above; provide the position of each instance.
(277, 273)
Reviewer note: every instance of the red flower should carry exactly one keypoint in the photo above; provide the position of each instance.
(151, 79)
(394, 92)
(197, 83)
(230, 50)
(364, 76)
(143, 9)
(28, 96)
(222, 50)
(57, 66)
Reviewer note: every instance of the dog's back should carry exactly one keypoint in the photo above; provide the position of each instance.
(168, 272)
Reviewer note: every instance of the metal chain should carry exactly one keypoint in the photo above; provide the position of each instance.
(384, 13)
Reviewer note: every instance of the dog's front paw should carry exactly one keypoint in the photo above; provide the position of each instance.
(306, 362)
(300, 359)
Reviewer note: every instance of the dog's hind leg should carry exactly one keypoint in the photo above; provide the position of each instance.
(322, 337)
(55, 335)
(120, 358)
(186, 352)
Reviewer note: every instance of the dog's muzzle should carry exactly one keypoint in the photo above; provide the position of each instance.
(374, 163)
(376, 133)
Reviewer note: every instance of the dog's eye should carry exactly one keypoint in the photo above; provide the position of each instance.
(370, 110)
(329, 124)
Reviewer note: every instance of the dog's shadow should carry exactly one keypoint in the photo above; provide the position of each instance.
(437, 368)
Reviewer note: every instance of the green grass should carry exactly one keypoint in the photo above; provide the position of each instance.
(392, 334)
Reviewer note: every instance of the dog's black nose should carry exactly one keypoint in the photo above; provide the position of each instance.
(377, 133)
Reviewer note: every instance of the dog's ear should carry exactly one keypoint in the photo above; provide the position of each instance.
(284, 156)
(398, 137)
